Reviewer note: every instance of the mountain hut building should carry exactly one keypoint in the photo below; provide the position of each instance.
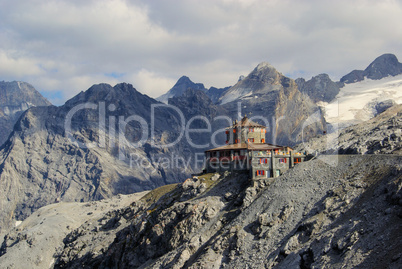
(246, 150)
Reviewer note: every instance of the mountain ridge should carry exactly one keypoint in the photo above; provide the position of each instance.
(383, 66)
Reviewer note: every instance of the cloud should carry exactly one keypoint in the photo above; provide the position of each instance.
(18, 67)
(151, 83)
(66, 46)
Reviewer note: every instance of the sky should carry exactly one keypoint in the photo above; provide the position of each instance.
(64, 47)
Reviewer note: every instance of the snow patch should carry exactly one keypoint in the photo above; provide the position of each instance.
(356, 101)
(236, 94)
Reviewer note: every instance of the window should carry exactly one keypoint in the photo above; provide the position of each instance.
(262, 140)
(278, 172)
(297, 160)
(263, 160)
(251, 140)
(260, 172)
(282, 160)
(251, 130)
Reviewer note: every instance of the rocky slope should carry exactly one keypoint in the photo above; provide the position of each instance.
(42, 234)
(315, 216)
(15, 98)
(383, 66)
(379, 135)
(265, 94)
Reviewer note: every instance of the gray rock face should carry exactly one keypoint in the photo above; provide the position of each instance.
(179, 88)
(41, 164)
(215, 93)
(319, 88)
(263, 79)
(384, 105)
(383, 66)
(15, 98)
(196, 103)
(267, 94)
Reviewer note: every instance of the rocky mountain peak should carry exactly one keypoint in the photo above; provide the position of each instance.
(16, 92)
(319, 88)
(264, 78)
(267, 93)
(185, 83)
(15, 98)
(383, 66)
(265, 73)
(264, 65)
(180, 87)
(184, 80)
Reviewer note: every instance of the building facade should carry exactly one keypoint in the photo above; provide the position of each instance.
(246, 150)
